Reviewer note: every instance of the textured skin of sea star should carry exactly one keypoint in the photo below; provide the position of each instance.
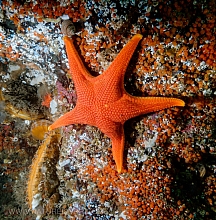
(103, 102)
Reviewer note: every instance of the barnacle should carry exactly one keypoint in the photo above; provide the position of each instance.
(68, 28)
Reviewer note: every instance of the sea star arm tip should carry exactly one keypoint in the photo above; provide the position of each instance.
(118, 148)
(64, 120)
(138, 36)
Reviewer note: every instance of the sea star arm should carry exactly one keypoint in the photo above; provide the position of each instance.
(79, 115)
(81, 77)
(118, 146)
(76, 65)
(128, 106)
(111, 82)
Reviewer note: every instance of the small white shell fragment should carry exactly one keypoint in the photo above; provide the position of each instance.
(65, 17)
(151, 142)
(13, 67)
(106, 204)
(144, 158)
(53, 106)
(36, 200)
(1, 16)
(64, 162)
(38, 79)
(7, 161)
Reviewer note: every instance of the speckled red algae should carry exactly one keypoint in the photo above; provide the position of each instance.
(46, 100)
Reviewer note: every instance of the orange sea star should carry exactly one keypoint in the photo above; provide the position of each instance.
(103, 102)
